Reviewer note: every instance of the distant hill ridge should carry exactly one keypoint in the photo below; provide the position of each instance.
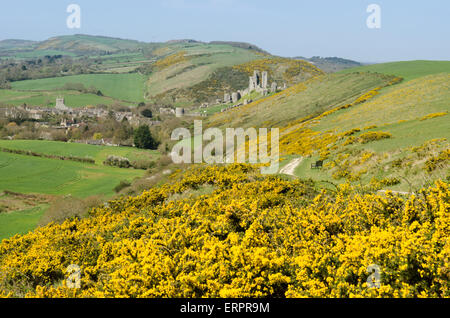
(82, 43)
(331, 64)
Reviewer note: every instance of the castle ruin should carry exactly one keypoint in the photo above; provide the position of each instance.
(259, 82)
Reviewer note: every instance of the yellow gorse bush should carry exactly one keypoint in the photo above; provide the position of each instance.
(254, 236)
(434, 115)
(170, 60)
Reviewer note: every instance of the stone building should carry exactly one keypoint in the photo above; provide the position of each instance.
(258, 82)
(226, 98)
(235, 97)
(60, 105)
(179, 112)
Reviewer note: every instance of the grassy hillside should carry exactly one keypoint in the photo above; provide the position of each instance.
(301, 101)
(371, 129)
(182, 73)
(195, 64)
(409, 70)
(404, 102)
(125, 87)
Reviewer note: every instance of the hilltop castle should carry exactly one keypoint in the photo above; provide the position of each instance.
(258, 82)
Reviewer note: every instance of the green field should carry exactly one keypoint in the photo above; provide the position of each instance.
(36, 175)
(48, 98)
(41, 53)
(20, 222)
(26, 174)
(99, 153)
(409, 70)
(124, 87)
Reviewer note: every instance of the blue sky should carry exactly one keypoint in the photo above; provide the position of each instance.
(410, 29)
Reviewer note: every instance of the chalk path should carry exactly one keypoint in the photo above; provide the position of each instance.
(290, 167)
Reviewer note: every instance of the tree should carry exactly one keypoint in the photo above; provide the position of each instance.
(143, 139)
(147, 113)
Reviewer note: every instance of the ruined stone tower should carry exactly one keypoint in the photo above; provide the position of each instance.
(264, 81)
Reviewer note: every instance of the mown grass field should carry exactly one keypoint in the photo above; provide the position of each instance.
(99, 153)
(48, 98)
(26, 174)
(124, 87)
(20, 222)
(409, 70)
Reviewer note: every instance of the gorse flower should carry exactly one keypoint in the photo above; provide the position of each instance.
(253, 236)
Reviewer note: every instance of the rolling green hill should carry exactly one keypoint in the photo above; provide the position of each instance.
(124, 87)
(409, 70)
(182, 73)
(81, 43)
(204, 73)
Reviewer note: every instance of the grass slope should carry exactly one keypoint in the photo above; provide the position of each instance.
(303, 100)
(201, 60)
(406, 101)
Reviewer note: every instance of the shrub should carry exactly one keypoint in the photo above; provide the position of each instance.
(351, 132)
(390, 181)
(64, 208)
(143, 164)
(122, 185)
(245, 236)
(433, 163)
(117, 161)
(429, 116)
(147, 113)
(373, 136)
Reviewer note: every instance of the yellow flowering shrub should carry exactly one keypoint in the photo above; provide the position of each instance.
(170, 60)
(254, 236)
(290, 68)
(442, 158)
(434, 115)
